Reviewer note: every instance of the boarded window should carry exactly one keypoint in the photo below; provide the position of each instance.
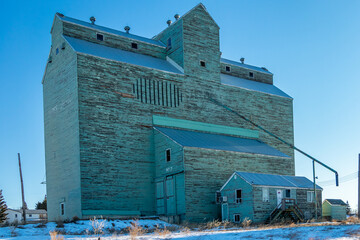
(237, 218)
(265, 193)
(287, 193)
(310, 196)
(168, 155)
(238, 196)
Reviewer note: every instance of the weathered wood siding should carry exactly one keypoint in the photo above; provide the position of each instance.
(308, 208)
(244, 73)
(61, 123)
(246, 207)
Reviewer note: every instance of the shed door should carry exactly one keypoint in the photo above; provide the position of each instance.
(224, 212)
(170, 196)
(279, 194)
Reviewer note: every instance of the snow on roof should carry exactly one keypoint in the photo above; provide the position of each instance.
(239, 64)
(252, 85)
(277, 180)
(219, 142)
(119, 55)
(336, 202)
(111, 31)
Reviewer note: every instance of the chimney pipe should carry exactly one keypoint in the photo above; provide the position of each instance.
(92, 20)
(242, 60)
(127, 29)
(169, 22)
(177, 16)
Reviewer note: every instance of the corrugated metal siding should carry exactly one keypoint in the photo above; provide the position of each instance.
(277, 180)
(98, 50)
(252, 85)
(219, 142)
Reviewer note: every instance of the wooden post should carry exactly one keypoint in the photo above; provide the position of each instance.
(315, 198)
(22, 192)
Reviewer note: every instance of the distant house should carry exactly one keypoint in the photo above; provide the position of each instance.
(15, 215)
(267, 197)
(334, 209)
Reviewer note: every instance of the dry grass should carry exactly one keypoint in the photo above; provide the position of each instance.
(246, 222)
(54, 235)
(162, 231)
(135, 230)
(352, 219)
(97, 225)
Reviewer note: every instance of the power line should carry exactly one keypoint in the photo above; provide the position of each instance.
(343, 179)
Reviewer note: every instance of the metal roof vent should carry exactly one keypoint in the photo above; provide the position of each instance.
(127, 29)
(169, 22)
(177, 16)
(92, 20)
(242, 60)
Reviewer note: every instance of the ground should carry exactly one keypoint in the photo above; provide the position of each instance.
(156, 229)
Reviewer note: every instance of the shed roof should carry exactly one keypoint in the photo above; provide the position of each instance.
(336, 202)
(119, 55)
(239, 64)
(252, 85)
(111, 31)
(219, 142)
(277, 180)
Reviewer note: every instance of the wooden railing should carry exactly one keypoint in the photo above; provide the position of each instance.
(287, 206)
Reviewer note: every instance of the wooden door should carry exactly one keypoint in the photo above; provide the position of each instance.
(170, 196)
(224, 212)
(279, 194)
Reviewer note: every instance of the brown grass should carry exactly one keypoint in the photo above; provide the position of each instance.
(97, 225)
(54, 235)
(246, 222)
(135, 230)
(162, 232)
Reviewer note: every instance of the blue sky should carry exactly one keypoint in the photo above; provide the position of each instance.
(312, 47)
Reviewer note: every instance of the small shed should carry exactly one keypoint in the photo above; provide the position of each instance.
(334, 209)
(268, 197)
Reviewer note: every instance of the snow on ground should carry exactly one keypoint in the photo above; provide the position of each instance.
(82, 229)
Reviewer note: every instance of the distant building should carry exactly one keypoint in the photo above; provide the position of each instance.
(334, 209)
(267, 198)
(15, 215)
(130, 128)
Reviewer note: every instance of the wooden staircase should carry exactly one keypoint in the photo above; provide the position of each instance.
(287, 209)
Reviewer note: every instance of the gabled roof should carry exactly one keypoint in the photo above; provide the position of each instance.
(239, 64)
(109, 30)
(219, 142)
(93, 49)
(273, 180)
(336, 202)
(252, 85)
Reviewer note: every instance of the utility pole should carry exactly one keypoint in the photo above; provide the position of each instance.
(315, 197)
(359, 188)
(22, 192)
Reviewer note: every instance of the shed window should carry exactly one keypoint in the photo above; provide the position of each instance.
(15, 215)
(99, 37)
(168, 155)
(251, 74)
(265, 192)
(134, 45)
(310, 196)
(228, 69)
(202, 63)
(217, 197)
(237, 218)
(62, 209)
(238, 196)
(287, 193)
(168, 43)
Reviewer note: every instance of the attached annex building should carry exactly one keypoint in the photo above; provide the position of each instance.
(130, 129)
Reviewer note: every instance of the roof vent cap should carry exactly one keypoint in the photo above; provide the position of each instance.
(242, 60)
(169, 22)
(92, 20)
(177, 16)
(127, 29)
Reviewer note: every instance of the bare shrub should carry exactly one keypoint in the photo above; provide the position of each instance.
(246, 222)
(213, 224)
(161, 231)
(135, 230)
(59, 223)
(54, 235)
(225, 224)
(97, 225)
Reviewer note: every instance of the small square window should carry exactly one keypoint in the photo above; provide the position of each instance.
(99, 37)
(251, 74)
(287, 193)
(168, 155)
(134, 45)
(30, 215)
(57, 51)
(228, 69)
(202, 63)
(237, 218)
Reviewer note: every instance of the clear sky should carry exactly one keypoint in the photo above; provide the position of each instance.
(312, 47)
